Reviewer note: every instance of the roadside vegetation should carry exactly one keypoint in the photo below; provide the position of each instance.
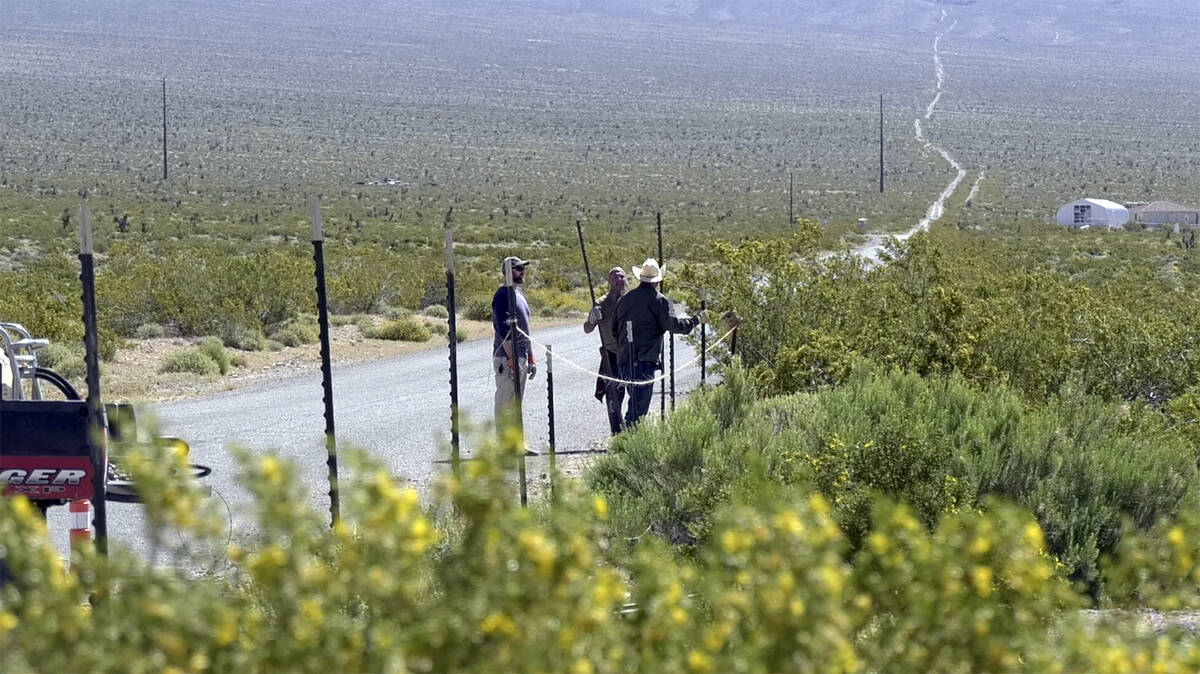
(474, 582)
(928, 465)
(931, 464)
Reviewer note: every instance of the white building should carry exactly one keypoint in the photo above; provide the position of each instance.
(1158, 213)
(1093, 213)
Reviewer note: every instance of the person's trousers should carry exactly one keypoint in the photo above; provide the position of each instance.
(610, 392)
(640, 395)
(505, 393)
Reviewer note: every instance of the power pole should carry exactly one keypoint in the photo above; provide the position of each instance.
(164, 107)
(881, 143)
(791, 216)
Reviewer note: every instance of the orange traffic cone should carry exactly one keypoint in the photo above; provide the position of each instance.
(81, 529)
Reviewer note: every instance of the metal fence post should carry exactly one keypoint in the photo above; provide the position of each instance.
(518, 390)
(318, 241)
(96, 442)
(453, 326)
(672, 364)
(703, 337)
(662, 398)
(550, 410)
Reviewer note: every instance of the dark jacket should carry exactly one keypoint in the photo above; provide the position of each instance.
(500, 322)
(650, 313)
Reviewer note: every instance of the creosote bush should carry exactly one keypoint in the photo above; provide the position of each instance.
(246, 339)
(296, 331)
(56, 356)
(491, 586)
(436, 311)
(553, 302)
(479, 309)
(149, 331)
(214, 349)
(396, 313)
(1082, 467)
(64, 360)
(409, 329)
(192, 361)
(1040, 313)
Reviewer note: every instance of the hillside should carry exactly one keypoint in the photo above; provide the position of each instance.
(1113, 23)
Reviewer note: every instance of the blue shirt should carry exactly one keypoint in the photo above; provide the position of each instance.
(500, 322)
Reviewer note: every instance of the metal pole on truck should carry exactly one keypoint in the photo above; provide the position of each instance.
(318, 241)
(96, 441)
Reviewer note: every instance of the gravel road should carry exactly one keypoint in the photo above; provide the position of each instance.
(396, 409)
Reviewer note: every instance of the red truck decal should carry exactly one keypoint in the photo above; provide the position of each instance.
(47, 477)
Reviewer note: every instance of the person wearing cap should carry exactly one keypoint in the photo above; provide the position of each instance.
(508, 353)
(639, 353)
(601, 316)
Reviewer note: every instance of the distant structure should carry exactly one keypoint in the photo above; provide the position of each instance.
(383, 182)
(1093, 213)
(1158, 213)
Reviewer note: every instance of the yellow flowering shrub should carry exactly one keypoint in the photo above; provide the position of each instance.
(471, 582)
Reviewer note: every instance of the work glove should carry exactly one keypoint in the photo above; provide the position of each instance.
(702, 317)
(594, 315)
(532, 370)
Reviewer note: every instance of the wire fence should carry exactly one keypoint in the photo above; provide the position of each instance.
(624, 382)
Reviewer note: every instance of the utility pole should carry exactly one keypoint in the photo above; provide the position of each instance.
(164, 107)
(791, 215)
(881, 143)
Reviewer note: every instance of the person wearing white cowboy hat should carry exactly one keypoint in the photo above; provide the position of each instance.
(643, 316)
(507, 352)
(649, 272)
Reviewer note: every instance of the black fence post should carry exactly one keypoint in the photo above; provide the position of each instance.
(550, 411)
(672, 372)
(318, 241)
(662, 389)
(96, 441)
(518, 390)
(703, 337)
(453, 340)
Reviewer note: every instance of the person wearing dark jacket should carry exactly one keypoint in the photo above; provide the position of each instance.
(511, 351)
(643, 316)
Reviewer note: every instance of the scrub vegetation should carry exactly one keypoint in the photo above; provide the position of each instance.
(475, 582)
(932, 463)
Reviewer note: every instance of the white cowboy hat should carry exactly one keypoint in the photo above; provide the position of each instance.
(649, 272)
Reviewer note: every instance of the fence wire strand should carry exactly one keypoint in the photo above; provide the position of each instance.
(624, 382)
